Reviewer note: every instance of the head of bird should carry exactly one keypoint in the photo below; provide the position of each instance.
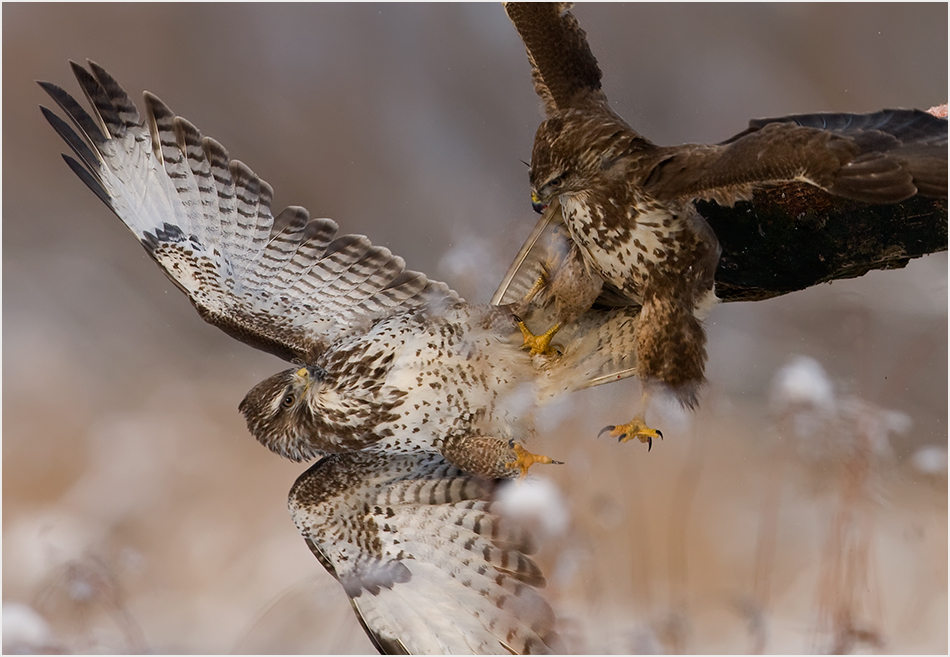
(573, 151)
(282, 412)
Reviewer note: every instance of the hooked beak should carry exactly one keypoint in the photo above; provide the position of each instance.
(536, 203)
(311, 375)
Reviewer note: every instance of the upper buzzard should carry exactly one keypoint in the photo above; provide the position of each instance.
(635, 236)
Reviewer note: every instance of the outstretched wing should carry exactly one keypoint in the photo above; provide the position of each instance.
(883, 157)
(286, 285)
(427, 565)
(563, 68)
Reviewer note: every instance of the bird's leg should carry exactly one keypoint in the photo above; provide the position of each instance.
(490, 457)
(538, 344)
(635, 428)
(525, 459)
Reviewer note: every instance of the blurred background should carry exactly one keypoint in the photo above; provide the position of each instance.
(802, 508)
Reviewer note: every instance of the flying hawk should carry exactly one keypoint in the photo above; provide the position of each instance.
(634, 236)
(414, 398)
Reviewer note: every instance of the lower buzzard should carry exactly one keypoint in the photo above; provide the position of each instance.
(414, 398)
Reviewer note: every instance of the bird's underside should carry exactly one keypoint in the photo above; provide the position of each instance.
(628, 231)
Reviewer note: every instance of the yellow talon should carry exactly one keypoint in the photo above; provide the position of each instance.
(526, 459)
(539, 344)
(636, 428)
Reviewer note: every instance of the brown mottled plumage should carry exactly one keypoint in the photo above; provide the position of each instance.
(395, 377)
(627, 204)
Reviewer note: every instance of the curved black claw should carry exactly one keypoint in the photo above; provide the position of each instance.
(609, 427)
(649, 444)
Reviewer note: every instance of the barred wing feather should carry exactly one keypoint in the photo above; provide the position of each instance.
(411, 539)
(286, 285)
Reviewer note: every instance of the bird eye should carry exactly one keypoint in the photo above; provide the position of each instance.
(288, 401)
(555, 182)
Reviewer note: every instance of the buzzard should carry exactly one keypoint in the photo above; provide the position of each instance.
(634, 236)
(414, 398)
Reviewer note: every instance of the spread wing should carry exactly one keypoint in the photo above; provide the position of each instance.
(284, 284)
(427, 565)
(883, 157)
(563, 68)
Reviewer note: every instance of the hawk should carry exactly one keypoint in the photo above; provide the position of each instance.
(414, 398)
(634, 236)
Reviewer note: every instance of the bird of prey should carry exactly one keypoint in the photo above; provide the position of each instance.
(633, 234)
(414, 397)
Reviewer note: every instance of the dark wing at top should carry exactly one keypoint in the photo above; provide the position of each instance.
(883, 157)
(286, 285)
(563, 68)
(428, 566)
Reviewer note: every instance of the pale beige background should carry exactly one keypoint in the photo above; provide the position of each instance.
(140, 515)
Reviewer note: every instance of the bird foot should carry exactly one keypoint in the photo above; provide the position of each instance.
(526, 459)
(539, 344)
(636, 428)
